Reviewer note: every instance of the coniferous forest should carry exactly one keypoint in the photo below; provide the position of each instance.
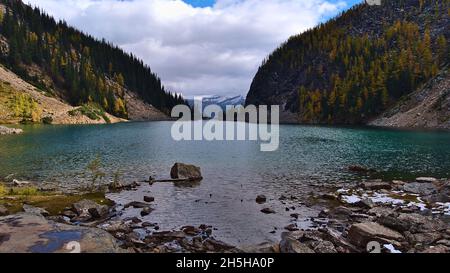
(82, 69)
(354, 67)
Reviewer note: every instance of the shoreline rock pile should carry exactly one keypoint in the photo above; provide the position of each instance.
(399, 217)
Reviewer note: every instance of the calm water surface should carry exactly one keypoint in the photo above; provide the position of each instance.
(235, 172)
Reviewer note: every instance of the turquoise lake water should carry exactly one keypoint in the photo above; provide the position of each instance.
(234, 172)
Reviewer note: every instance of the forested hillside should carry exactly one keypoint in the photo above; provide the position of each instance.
(73, 66)
(354, 67)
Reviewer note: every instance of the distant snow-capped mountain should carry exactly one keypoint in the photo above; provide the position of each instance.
(222, 101)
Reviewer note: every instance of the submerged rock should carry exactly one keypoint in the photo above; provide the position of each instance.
(260, 199)
(291, 227)
(191, 230)
(185, 171)
(360, 169)
(136, 205)
(146, 211)
(149, 199)
(118, 186)
(267, 211)
(31, 233)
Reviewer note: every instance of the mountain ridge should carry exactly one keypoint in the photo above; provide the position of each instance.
(222, 101)
(357, 65)
(78, 69)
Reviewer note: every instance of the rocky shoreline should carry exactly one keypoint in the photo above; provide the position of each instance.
(34, 229)
(9, 131)
(377, 216)
(371, 216)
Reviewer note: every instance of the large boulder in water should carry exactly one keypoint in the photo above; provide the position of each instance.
(186, 172)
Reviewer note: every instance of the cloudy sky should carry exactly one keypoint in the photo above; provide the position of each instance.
(197, 47)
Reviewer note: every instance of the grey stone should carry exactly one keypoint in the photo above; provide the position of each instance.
(362, 233)
(420, 188)
(260, 199)
(3, 210)
(146, 211)
(267, 211)
(185, 171)
(88, 207)
(323, 247)
(375, 185)
(426, 180)
(290, 245)
(35, 210)
(136, 205)
(149, 199)
(437, 249)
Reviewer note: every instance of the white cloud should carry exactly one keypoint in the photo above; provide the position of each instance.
(212, 50)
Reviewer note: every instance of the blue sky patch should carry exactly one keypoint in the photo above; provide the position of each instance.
(200, 3)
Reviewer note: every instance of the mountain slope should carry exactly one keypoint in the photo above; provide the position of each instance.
(78, 69)
(20, 100)
(428, 107)
(351, 69)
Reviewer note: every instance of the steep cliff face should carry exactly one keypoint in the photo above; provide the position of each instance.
(356, 66)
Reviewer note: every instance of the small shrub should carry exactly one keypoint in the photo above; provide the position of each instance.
(92, 111)
(27, 191)
(26, 107)
(106, 118)
(117, 180)
(3, 190)
(47, 120)
(73, 112)
(95, 168)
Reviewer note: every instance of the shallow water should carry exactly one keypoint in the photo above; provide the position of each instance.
(235, 172)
